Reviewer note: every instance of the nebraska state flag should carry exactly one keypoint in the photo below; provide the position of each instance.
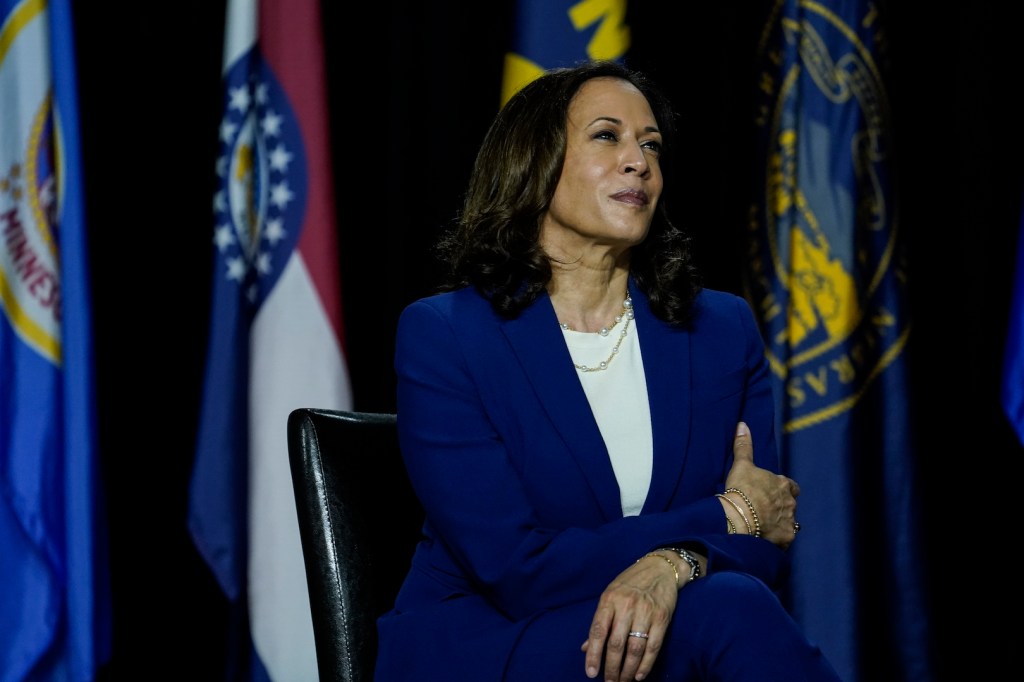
(828, 279)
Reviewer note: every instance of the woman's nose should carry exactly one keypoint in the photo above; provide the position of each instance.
(635, 161)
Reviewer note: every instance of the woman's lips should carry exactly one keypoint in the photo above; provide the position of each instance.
(632, 196)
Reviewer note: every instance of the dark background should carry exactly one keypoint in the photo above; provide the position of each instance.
(413, 87)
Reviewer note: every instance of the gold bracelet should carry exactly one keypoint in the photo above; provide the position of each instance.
(732, 526)
(690, 560)
(753, 512)
(670, 563)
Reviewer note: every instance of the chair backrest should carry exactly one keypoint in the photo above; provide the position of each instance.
(359, 522)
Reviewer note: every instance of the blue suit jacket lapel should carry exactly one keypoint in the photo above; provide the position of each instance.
(537, 342)
(668, 391)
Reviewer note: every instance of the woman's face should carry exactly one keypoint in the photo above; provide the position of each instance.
(611, 179)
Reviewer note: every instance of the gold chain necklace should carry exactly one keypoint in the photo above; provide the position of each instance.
(627, 315)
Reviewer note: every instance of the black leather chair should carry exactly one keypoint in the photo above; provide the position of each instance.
(359, 522)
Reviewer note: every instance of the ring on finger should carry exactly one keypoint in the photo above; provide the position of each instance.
(638, 634)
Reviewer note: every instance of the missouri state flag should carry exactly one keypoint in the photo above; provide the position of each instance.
(552, 33)
(55, 610)
(276, 337)
(828, 279)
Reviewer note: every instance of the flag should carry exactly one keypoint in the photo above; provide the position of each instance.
(1013, 363)
(827, 276)
(276, 336)
(55, 611)
(552, 33)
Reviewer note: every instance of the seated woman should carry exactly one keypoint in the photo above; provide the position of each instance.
(573, 411)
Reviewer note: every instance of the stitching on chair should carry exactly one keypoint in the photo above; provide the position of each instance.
(332, 545)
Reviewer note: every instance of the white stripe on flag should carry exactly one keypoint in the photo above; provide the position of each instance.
(296, 362)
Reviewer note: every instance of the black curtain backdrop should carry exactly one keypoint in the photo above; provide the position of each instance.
(413, 87)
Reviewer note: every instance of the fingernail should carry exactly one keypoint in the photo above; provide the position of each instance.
(742, 430)
(591, 672)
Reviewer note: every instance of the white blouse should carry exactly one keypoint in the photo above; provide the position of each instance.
(618, 398)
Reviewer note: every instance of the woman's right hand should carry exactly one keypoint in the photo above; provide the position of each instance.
(772, 495)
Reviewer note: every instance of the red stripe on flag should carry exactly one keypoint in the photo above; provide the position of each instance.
(291, 41)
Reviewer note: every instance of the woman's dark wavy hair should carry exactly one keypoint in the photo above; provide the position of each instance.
(494, 243)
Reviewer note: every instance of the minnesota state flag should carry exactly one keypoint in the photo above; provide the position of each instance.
(55, 609)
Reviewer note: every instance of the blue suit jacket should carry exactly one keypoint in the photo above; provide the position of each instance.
(523, 508)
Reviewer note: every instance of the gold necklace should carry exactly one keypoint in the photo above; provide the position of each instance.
(627, 315)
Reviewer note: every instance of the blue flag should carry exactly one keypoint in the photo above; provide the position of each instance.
(551, 33)
(827, 277)
(276, 338)
(1013, 363)
(55, 612)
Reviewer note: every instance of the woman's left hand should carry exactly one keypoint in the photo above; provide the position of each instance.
(640, 601)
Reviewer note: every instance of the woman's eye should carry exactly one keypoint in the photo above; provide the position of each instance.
(605, 135)
(653, 145)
